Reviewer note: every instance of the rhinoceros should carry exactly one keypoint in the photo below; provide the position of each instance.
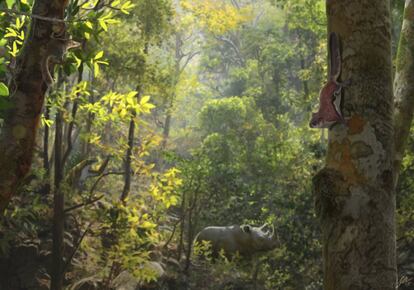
(244, 239)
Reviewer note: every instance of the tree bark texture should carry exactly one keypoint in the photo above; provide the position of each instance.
(404, 86)
(354, 193)
(28, 88)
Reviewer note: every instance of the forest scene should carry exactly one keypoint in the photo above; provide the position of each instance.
(206, 144)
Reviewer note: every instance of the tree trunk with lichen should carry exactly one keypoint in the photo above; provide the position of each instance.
(404, 86)
(354, 193)
(28, 88)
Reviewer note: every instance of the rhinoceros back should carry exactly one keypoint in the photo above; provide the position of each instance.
(219, 237)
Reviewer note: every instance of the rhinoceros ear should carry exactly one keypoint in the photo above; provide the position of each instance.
(246, 228)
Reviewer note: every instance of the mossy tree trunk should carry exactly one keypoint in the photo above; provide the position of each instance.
(354, 193)
(404, 86)
(28, 88)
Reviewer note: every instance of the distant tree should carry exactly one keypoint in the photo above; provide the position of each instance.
(404, 86)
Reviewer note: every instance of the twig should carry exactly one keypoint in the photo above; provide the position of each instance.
(16, 12)
(235, 4)
(233, 46)
(44, 18)
(103, 5)
(86, 203)
(173, 232)
(189, 58)
(102, 176)
(65, 267)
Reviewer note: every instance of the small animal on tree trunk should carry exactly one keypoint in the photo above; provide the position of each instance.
(330, 96)
(58, 46)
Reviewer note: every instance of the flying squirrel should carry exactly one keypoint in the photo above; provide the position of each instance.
(330, 96)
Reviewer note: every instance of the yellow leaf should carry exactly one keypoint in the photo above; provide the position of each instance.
(144, 100)
(96, 69)
(99, 55)
(148, 225)
(78, 61)
(89, 24)
(103, 24)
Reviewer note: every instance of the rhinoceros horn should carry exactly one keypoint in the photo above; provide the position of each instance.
(263, 226)
(272, 234)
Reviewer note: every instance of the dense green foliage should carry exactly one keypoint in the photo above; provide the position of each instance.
(220, 93)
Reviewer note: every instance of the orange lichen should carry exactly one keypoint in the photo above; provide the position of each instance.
(340, 158)
(355, 125)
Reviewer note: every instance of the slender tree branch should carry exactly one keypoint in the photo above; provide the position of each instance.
(84, 204)
(189, 58)
(34, 16)
(102, 176)
(232, 45)
(65, 267)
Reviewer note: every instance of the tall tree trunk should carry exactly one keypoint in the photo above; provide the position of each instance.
(17, 137)
(404, 86)
(304, 82)
(177, 71)
(58, 209)
(85, 144)
(354, 193)
(183, 208)
(167, 126)
(193, 214)
(71, 126)
(128, 160)
(131, 139)
(46, 164)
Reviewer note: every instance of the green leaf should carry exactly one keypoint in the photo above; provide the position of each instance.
(4, 90)
(10, 3)
(89, 24)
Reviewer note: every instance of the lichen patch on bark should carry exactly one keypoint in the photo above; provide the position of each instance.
(347, 237)
(355, 125)
(357, 200)
(342, 161)
(360, 150)
(368, 153)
